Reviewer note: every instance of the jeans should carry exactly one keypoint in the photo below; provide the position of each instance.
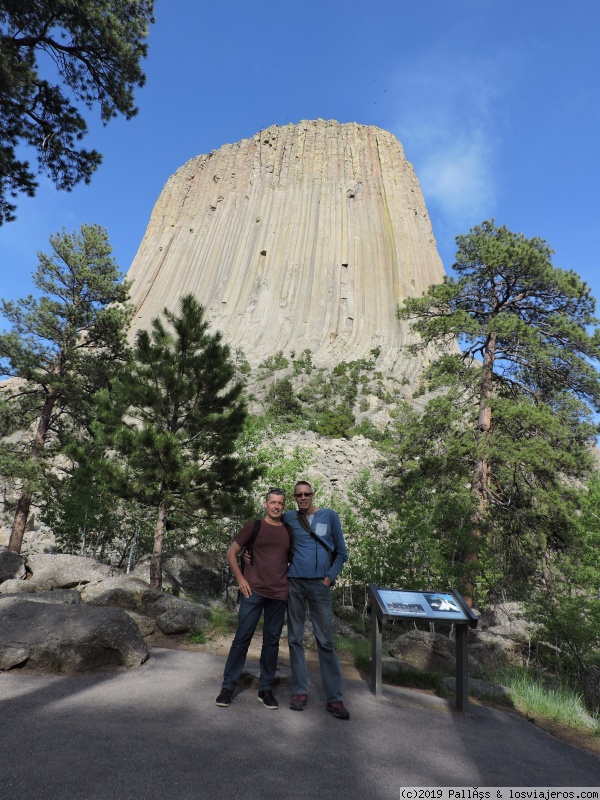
(318, 596)
(248, 616)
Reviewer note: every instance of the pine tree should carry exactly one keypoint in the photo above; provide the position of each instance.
(56, 58)
(61, 349)
(525, 383)
(565, 603)
(181, 413)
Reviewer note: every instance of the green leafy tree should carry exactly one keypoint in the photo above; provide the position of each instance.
(86, 514)
(263, 442)
(428, 455)
(55, 57)
(565, 603)
(336, 422)
(282, 402)
(61, 349)
(181, 413)
(525, 378)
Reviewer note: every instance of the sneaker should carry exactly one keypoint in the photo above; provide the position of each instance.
(267, 698)
(298, 702)
(338, 710)
(224, 699)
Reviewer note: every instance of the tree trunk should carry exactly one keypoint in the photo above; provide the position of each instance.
(155, 562)
(481, 472)
(20, 521)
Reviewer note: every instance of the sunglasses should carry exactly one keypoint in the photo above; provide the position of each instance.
(304, 494)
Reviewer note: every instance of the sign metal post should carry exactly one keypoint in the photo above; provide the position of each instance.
(448, 606)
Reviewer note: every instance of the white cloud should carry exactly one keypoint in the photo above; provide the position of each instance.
(458, 178)
(450, 123)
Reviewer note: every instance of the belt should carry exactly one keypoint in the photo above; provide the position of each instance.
(307, 579)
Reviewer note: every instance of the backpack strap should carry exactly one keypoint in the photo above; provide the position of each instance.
(250, 543)
(303, 520)
(290, 531)
(254, 534)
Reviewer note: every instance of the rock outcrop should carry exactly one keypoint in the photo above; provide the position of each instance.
(12, 566)
(67, 637)
(186, 572)
(72, 614)
(426, 651)
(301, 237)
(65, 571)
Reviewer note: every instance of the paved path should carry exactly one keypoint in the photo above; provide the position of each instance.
(155, 733)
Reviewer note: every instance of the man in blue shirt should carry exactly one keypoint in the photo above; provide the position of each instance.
(319, 555)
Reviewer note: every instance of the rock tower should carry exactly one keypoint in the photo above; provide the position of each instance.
(303, 236)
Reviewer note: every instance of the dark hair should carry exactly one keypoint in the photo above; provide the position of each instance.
(302, 483)
(273, 490)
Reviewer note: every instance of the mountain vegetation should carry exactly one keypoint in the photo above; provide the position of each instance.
(173, 418)
(512, 418)
(62, 348)
(487, 478)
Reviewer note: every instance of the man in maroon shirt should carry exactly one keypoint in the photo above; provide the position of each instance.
(263, 587)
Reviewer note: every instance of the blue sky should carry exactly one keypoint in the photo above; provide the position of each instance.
(496, 102)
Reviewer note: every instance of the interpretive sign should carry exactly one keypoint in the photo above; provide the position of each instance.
(446, 606)
(426, 605)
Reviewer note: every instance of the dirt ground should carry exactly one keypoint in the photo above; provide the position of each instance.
(220, 647)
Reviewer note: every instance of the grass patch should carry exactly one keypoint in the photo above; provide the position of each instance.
(413, 679)
(557, 704)
(221, 622)
(360, 649)
(197, 637)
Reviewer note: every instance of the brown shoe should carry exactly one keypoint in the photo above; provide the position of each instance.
(298, 702)
(338, 710)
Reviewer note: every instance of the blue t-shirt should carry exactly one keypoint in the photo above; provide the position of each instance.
(311, 559)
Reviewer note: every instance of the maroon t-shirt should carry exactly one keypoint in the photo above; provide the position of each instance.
(268, 575)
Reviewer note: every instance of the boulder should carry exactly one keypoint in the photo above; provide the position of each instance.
(391, 666)
(231, 596)
(428, 651)
(502, 636)
(182, 620)
(12, 565)
(147, 625)
(65, 571)
(493, 650)
(121, 591)
(494, 653)
(506, 620)
(186, 572)
(19, 586)
(67, 638)
(485, 690)
(68, 597)
(155, 603)
(172, 614)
